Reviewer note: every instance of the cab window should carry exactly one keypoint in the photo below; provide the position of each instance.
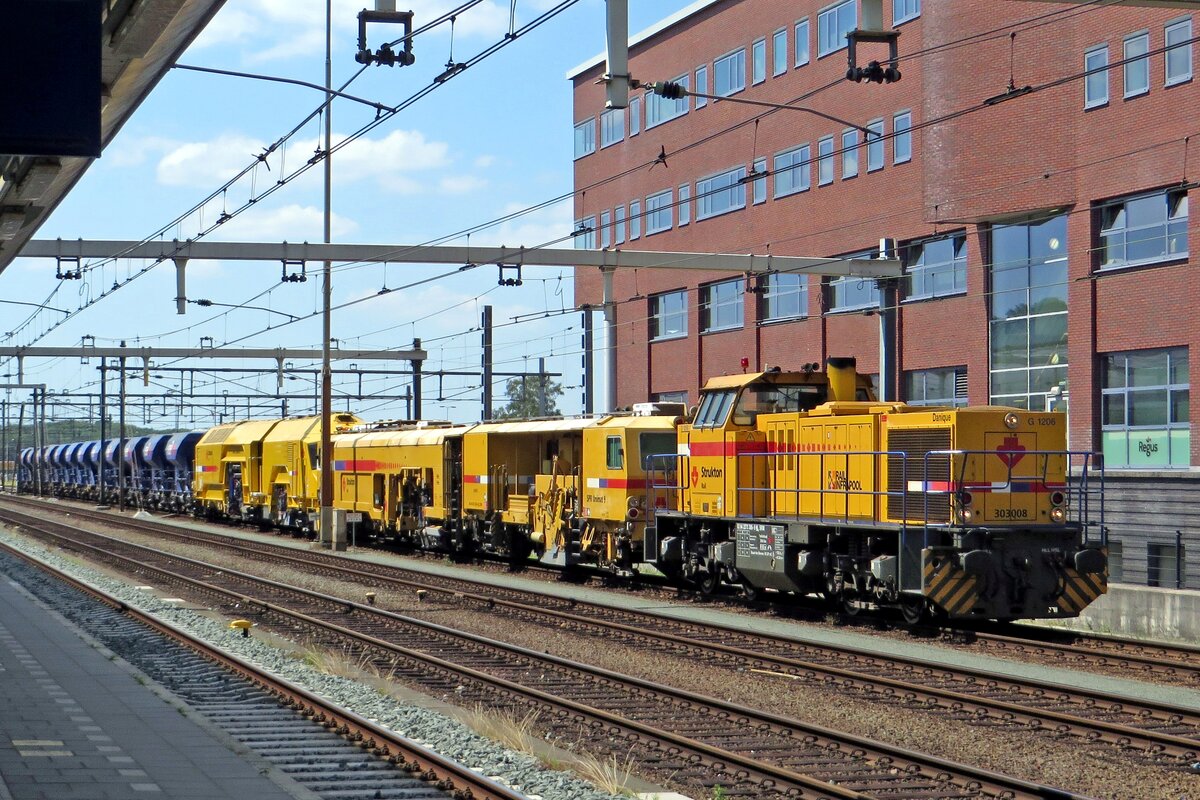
(616, 454)
(662, 443)
(714, 407)
(776, 399)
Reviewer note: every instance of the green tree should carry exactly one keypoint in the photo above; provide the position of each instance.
(525, 398)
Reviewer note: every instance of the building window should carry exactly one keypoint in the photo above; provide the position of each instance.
(661, 109)
(785, 296)
(635, 219)
(851, 292)
(619, 225)
(1144, 409)
(585, 233)
(1116, 561)
(833, 24)
(1095, 85)
(1179, 56)
(729, 73)
(668, 315)
(936, 387)
(791, 171)
(605, 230)
(1144, 229)
(760, 183)
(585, 137)
(802, 51)
(902, 137)
(937, 267)
(702, 86)
(1137, 71)
(904, 10)
(721, 193)
(635, 116)
(1028, 328)
(825, 161)
(685, 204)
(875, 145)
(779, 52)
(1164, 565)
(849, 153)
(669, 397)
(612, 127)
(721, 306)
(758, 61)
(658, 212)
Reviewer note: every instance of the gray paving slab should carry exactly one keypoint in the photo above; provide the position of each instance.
(76, 723)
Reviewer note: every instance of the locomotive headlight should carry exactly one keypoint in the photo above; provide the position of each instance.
(1058, 515)
(1011, 421)
(967, 514)
(635, 501)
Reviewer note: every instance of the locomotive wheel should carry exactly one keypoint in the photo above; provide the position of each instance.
(750, 592)
(913, 612)
(850, 606)
(707, 582)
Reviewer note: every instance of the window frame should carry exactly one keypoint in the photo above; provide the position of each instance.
(736, 301)
(656, 315)
(833, 283)
(956, 266)
(705, 196)
(759, 187)
(779, 55)
(702, 85)
(657, 102)
(1103, 232)
(589, 137)
(1184, 23)
(900, 19)
(608, 130)
(1171, 389)
(585, 239)
(635, 219)
(772, 294)
(834, 8)
(803, 44)
(902, 134)
(825, 160)
(758, 47)
(635, 115)
(1088, 101)
(876, 152)
(803, 169)
(957, 376)
(609, 453)
(1131, 61)
(684, 204)
(738, 54)
(849, 153)
(619, 225)
(655, 209)
(605, 229)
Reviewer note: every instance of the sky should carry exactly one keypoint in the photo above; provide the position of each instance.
(495, 139)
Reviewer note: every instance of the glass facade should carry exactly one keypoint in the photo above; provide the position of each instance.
(658, 212)
(612, 127)
(661, 109)
(904, 10)
(729, 74)
(1028, 328)
(668, 315)
(833, 24)
(1145, 409)
(721, 194)
(585, 137)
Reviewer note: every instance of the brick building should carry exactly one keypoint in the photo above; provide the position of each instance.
(1044, 232)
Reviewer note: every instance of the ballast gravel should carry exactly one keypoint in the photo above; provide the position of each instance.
(436, 731)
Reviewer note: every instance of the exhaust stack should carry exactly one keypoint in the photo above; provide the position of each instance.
(843, 378)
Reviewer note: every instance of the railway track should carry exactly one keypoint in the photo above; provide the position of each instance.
(701, 741)
(327, 749)
(1157, 731)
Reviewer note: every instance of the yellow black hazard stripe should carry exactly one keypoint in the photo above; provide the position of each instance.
(953, 590)
(1079, 590)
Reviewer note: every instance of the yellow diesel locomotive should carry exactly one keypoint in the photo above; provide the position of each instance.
(803, 482)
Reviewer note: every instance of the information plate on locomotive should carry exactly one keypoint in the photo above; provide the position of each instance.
(757, 539)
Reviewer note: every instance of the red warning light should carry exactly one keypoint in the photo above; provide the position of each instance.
(745, 363)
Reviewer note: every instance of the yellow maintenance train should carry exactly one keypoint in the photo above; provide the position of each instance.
(798, 482)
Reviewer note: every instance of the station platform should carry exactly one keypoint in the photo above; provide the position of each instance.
(78, 725)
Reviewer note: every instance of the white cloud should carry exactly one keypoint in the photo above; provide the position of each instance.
(229, 26)
(292, 223)
(461, 184)
(135, 151)
(389, 162)
(536, 228)
(484, 161)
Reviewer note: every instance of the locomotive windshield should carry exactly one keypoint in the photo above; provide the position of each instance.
(763, 398)
(714, 407)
